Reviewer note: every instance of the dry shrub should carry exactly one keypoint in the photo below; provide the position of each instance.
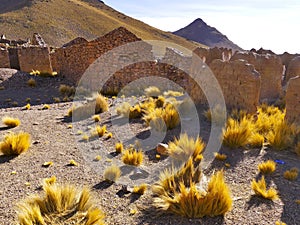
(291, 174)
(98, 131)
(96, 118)
(184, 147)
(237, 133)
(140, 190)
(66, 90)
(152, 91)
(101, 104)
(11, 122)
(128, 111)
(260, 189)
(221, 157)
(132, 157)
(31, 82)
(267, 167)
(112, 173)
(46, 106)
(60, 204)
(15, 144)
(119, 148)
(194, 203)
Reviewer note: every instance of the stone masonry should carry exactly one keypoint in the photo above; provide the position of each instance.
(293, 100)
(4, 58)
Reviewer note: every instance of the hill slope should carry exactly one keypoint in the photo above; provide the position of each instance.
(59, 21)
(200, 32)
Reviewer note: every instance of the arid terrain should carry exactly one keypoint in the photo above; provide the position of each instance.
(53, 140)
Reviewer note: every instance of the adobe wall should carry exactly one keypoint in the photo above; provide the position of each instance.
(293, 100)
(4, 58)
(34, 58)
(240, 83)
(271, 70)
(72, 61)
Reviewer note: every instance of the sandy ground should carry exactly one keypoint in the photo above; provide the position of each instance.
(52, 140)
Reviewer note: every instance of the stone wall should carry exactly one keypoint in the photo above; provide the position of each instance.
(35, 58)
(240, 83)
(293, 69)
(293, 100)
(210, 54)
(271, 70)
(72, 61)
(4, 58)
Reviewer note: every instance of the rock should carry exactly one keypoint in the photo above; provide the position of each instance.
(162, 149)
(293, 68)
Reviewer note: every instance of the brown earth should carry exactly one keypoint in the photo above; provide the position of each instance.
(53, 141)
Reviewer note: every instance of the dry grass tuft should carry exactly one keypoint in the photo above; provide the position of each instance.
(260, 189)
(60, 204)
(46, 106)
(119, 148)
(267, 167)
(49, 181)
(184, 147)
(140, 190)
(280, 223)
(15, 144)
(132, 157)
(96, 118)
(11, 122)
(27, 106)
(152, 91)
(291, 174)
(66, 90)
(31, 82)
(98, 131)
(112, 173)
(221, 157)
(101, 104)
(194, 203)
(237, 133)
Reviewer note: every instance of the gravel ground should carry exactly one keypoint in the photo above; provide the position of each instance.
(53, 141)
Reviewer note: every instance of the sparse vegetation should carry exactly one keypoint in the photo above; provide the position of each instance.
(96, 118)
(221, 157)
(119, 148)
(27, 106)
(260, 189)
(184, 147)
(291, 174)
(11, 122)
(31, 82)
(15, 144)
(60, 204)
(152, 91)
(47, 164)
(73, 163)
(66, 90)
(132, 157)
(267, 167)
(297, 148)
(46, 106)
(98, 131)
(112, 173)
(101, 104)
(139, 189)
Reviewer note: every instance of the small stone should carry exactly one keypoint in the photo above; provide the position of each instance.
(162, 149)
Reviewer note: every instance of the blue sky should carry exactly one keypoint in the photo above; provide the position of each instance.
(269, 24)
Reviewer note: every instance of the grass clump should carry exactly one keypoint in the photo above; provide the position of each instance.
(27, 106)
(297, 148)
(267, 167)
(132, 157)
(291, 174)
(128, 111)
(194, 203)
(112, 173)
(101, 104)
(221, 157)
(15, 144)
(31, 82)
(60, 204)
(260, 189)
(140, 190)
(184, 147)
(215, 115)
(237, 133)
(152, 91)
(96, 118)
(11, 122)
(45, 107)
(119, 148)
(66, 90)
(98, 131)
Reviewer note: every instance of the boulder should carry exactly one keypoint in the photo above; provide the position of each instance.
(293, 100)
(293, 68)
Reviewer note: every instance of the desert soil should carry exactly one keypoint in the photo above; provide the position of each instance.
(52, 140)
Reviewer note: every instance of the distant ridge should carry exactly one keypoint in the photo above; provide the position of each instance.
(200, 32)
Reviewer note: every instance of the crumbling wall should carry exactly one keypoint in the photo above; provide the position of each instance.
(270, 68)
(72, 61)
(4, 58)
(240, 83)
(293, 69)
(293, 100)
(210, 54)
(35, 58)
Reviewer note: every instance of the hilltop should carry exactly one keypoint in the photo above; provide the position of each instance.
(200, 32)
(61, 21)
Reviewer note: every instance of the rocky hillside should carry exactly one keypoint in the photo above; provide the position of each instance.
(200, 32)
(61, 21)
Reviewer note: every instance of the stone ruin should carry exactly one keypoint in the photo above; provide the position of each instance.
(246, 78)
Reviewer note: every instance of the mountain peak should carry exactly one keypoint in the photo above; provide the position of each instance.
(200, 32)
